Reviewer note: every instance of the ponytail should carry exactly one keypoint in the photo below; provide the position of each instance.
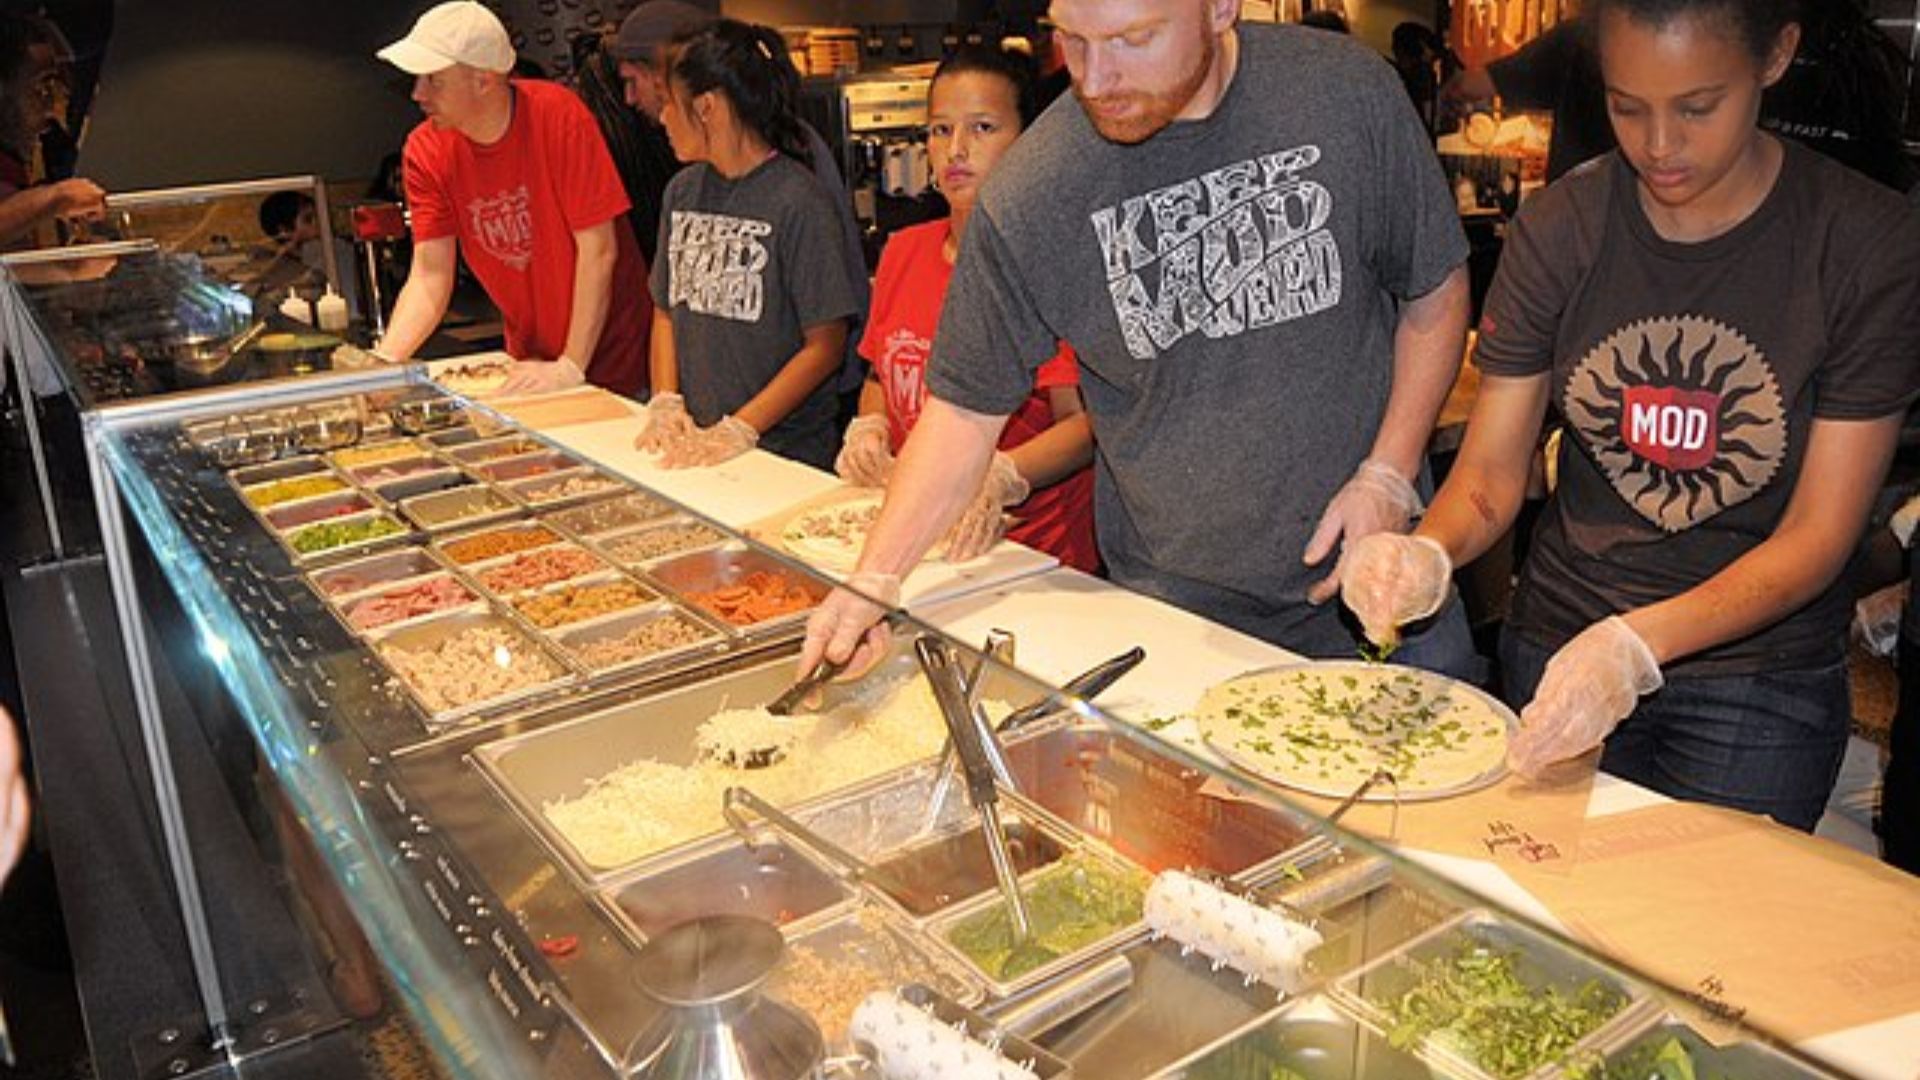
(748, 64)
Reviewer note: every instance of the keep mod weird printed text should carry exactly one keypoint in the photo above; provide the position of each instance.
(1238, 248)
(719, 264)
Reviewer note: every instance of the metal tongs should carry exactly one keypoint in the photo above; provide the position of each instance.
(795, 695)
(999, 647)
(971, 737)
(1085, 686)
(737, 800)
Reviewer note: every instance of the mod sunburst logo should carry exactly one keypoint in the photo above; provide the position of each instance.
(1684, 416)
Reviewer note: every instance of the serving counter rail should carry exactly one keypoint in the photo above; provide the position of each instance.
(506, 768)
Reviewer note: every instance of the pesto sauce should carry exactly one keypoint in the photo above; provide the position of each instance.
(1071, 906)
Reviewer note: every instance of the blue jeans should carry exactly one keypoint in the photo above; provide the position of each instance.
(1768, 743)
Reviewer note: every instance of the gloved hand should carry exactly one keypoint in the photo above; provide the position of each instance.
(1590, 685)
(725, 440)
(354, 358)
(1906, 521)
(1391, 579)
(541, 377)
(866, 454)
(667, 423)
(1376, 499)
(850, 625)
(985, 522)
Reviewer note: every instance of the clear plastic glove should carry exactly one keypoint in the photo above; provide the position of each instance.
(866, 454)
(1390, 579)
(724, 441)
(15, 812)
(1906, 521)
(668, 422)
(1376, 500)
(541, 377)
(354, 358)
(984, 522)
(850, 625)
(1590, 685)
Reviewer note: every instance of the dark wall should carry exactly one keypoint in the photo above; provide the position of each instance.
(201, 90)
(858, 12)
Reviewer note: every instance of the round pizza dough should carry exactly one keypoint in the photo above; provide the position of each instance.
(831, 535)
(1323, 728)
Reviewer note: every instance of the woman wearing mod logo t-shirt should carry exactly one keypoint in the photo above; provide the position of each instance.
(1723, 322)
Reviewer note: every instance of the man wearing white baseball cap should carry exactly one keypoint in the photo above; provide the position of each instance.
(515, 176)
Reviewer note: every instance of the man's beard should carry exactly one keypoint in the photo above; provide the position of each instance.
(1152, 111)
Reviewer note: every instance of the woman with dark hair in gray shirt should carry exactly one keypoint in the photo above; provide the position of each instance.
(752, 296)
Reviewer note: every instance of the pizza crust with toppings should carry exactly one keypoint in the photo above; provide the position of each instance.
(1325, 728)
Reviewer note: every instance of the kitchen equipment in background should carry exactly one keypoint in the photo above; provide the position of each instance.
(833, 51)
(883, 153)
(376, 224)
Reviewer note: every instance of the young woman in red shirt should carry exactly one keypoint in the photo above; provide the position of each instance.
(978, 104)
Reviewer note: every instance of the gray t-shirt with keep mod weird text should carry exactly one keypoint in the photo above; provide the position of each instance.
(743, 267)
(1232, 286)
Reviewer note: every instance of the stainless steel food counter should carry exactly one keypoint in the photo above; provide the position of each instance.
(498, 722)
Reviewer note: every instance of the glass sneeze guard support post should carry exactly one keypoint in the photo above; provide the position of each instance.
(133, 639)
(20, 335)
(330, 259)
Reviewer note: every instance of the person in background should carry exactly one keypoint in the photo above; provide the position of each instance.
(752, 295)
(32, 98)
(514, 176)
(1554, 73)
(1262, 383)
(1844, 93)
(640, 46)
(1841, 96)
(980, 100)
(640, 149)
(1425, 63)
(57, 150)
(1725, 321)
(289, 219)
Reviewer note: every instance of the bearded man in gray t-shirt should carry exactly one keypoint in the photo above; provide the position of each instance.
(1244, 233)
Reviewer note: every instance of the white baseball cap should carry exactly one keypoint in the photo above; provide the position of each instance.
(458, 32)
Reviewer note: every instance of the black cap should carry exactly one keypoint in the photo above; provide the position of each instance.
(653, 24)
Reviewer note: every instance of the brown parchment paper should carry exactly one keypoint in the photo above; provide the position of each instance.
(583, 406)
(1800, 936)
(1514, 823)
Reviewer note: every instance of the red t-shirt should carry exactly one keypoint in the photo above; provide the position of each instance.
(908, 292)
(515, 205)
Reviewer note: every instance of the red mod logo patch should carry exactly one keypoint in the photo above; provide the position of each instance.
(1676, 429)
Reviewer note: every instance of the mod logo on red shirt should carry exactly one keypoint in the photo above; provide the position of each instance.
(1673, 428)
(503, 225)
